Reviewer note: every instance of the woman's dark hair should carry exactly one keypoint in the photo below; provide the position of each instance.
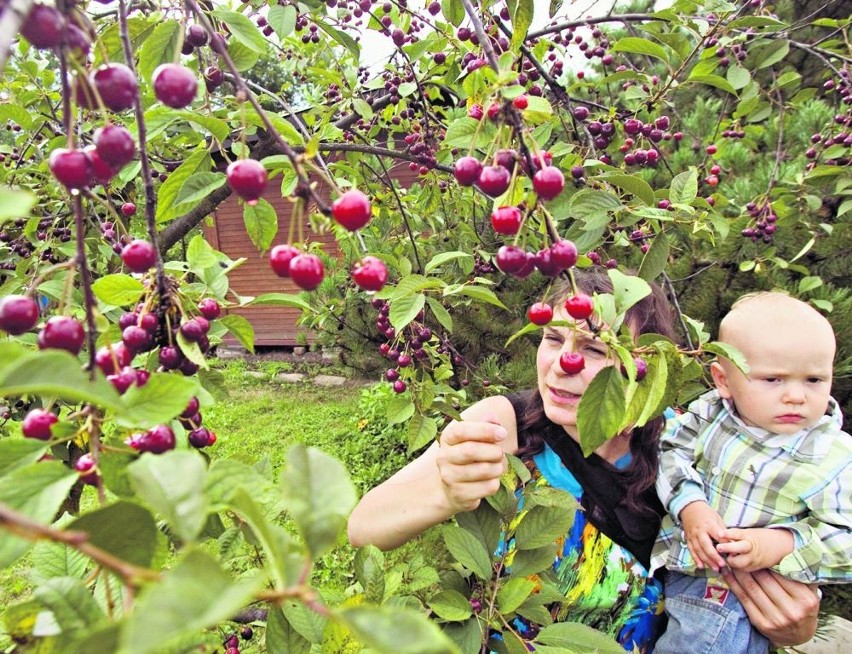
(652, 314)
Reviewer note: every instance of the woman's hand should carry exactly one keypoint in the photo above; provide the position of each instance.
(470, 461)
(784, 611)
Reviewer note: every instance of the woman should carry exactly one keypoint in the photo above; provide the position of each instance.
(615, 485)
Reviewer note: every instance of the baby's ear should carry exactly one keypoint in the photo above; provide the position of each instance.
(720, 379)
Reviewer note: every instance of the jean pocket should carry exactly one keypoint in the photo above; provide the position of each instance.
(695, 626)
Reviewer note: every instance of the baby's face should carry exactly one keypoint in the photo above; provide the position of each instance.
(789, 381)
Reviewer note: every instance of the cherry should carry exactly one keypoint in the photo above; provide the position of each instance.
(577, 172)
(548, 182)
(71, 168)
(101, 170)
(521, 102)
(572, 362)
(170, 357)
(18, 314)
(399, 386)
(210, 308)
(641, 369)
(392, 374)
(149, 322)
(174, 85)
(579, 306)
(139, 256)
(494, 180)
(192, 330)
(116, 84)
(506, 220)
(352, 210)
(467, 170)
(475, 112)
(711, 149)
(128, 209)
(201, 437)
(191, 408)
(115, 145)
(112, 359)
(85, 465)
(246, 632)
(632, 126)
(370, 274)
(156, 440)
(506, 158)
(136, 339)
(564, 254)
(580, 113)
(196, 36)
(123, 379)
(37, 424)
(545, 263)
(511, 259)
(280, 258)
(44, 27)
(62, 333)
(247, 178)
(493, 109)
(306, 270)
(540, 313)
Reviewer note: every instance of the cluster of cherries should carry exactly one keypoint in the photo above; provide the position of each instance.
(400, 351)
(763, 222)
(232, 642)
(16, 240)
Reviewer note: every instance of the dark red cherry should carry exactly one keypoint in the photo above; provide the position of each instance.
(494, 180)
(62, 333)
(247, 178)
(18, 314)
(174, 85)
(307, 271)
(71, 168)
(540, 313)
(466, 170)
(280, 258)
(352, 210)
(37, 424)
(116, 84)
(579, 306)
(139, 256)
(370, 274)
(44, 27)
(115, 145)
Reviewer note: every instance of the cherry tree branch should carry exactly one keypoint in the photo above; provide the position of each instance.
(10, 24)
(615, 18)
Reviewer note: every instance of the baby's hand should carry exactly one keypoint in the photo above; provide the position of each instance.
(756, 548)
(702, 526)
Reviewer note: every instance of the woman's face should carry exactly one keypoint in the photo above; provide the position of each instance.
(559, 391)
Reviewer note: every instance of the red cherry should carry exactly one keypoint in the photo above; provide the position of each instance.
(116, 84)
(540, 313)
(580, 113)
(641, 369)
(475, 112)
(191, 408)
(466, 170)
(170, 357)
(201, 437)
(494, 180)
(123, 380)
(196, 36)
(139, 256)
(511, 259)
(399, 386)
(711, 149)
(44, 27)
(174, 85)
(280, 258)
(528, 267)
(85, 465)
(192, 330)
(493, 110)
(563, 254)
(71, 168)
(128, 209)
(541, 160)
(37, 424)
(210, 308)
(579, 306)
(352, 210)
(306, 270)
(521, 102)
(115, 145)
(506, 220)
(18, 314)
(156, 440)
(370, 274)
(112, 359)
(632, 126)
(572, 362)
(548, 182)
(101, 170)
(247, 178)
(62, 333)
(136, 339)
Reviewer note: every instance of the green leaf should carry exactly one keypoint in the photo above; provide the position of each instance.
(577, 637)
(217, 127)
(466, 132)
(362, 108)
(514, 593)
(543, 524)
(198, 187)
(440, 313)
(18, 452)
(477, 293)
(244, 57)
(123, 529)
(729, 352)
(159, 48)
(17, 114)
(768, 53)
(684, 187)
(638, 45)
(532, 561)
(341, 37)
(281, 637)
(15, 204)
(240, 328)
(261, 223)
(37, 491)
(404, 309)
(395, 631)
(191, 350)
(738, 77)
(119, 290)
(443, 257)
(198, 161)
(196, 594)
(421, 432)
(399, 409)
(279, 300)
(656, 258)
(242, 29)
(522, 18)
(588, 204)
(157, 402)
(602, 408)
(58, 560)
(51, 372)
(282, 19)
(199, 254)
(627, 289)
(632, 184)
(713, 80)
(453, 11)
(318, 493)
(483, 523)
(807, 284)
(172, 484)
(369, 571)
(71, 603)
(468, 551)
(450, 605)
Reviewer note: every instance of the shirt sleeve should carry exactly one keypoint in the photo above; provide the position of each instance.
(678, 482)
(826, 532)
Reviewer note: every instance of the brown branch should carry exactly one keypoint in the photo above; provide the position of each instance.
(623, 18)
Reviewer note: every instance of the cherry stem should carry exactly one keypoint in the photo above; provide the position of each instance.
(86, 279)
(484, 42)
(150, 196)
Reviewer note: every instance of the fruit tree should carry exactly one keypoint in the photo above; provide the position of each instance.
(704, 145)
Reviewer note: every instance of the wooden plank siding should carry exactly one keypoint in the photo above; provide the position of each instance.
(225, 231)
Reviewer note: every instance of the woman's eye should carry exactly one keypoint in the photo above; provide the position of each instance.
(771, 380)
(815, 380)
(594, 351)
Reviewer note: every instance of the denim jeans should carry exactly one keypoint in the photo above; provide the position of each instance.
(706, 619)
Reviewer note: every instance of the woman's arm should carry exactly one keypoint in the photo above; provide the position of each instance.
(784, 611)
(451, 476)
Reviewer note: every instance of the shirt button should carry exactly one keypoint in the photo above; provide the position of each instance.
(717, 470)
